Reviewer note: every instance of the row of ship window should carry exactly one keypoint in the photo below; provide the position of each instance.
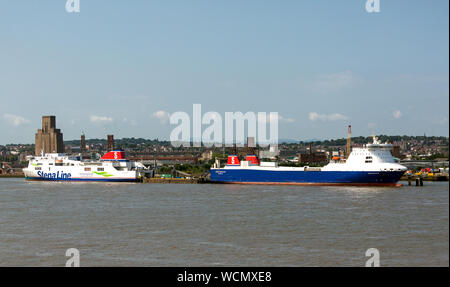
(98, 169)
(85, 169)
(58, 164)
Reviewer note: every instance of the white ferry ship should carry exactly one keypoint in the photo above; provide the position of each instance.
(112, 167)
(372, 164)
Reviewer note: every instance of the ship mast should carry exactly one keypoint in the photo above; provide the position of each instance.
(349, 142)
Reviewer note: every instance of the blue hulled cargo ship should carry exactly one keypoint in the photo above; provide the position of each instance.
(372, 164)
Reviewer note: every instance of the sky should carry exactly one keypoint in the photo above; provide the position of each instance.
(123, 67)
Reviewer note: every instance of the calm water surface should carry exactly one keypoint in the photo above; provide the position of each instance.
(221, 225)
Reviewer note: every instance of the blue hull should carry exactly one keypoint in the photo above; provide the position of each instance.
(83, 179)
(305, 177)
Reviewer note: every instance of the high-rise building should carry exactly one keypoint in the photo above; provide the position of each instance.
(110, 142)
(49, 139)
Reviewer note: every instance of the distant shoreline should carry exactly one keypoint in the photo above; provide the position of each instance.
(358, 139)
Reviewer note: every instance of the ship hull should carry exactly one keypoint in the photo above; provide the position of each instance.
(83, 179)
(357, 178)
(78, 174)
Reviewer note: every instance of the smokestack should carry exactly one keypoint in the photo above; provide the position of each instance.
(83, 143)
(110, 142)
(349, 141)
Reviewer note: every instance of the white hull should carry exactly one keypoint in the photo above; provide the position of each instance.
(59, 167)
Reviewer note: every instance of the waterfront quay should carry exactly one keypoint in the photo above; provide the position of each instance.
(176, 180)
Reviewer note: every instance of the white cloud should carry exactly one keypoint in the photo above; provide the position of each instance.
(333, 82)
(397, 114)
(270, 117)
(162, 116)
(101, 119)
(15, 120)
(313, 116)
(371, 125)
(131, 122)
(286, 120)
(443, 121)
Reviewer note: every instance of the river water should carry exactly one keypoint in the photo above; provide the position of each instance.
(222, 225)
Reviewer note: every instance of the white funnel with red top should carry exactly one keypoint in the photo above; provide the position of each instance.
(114, 155)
